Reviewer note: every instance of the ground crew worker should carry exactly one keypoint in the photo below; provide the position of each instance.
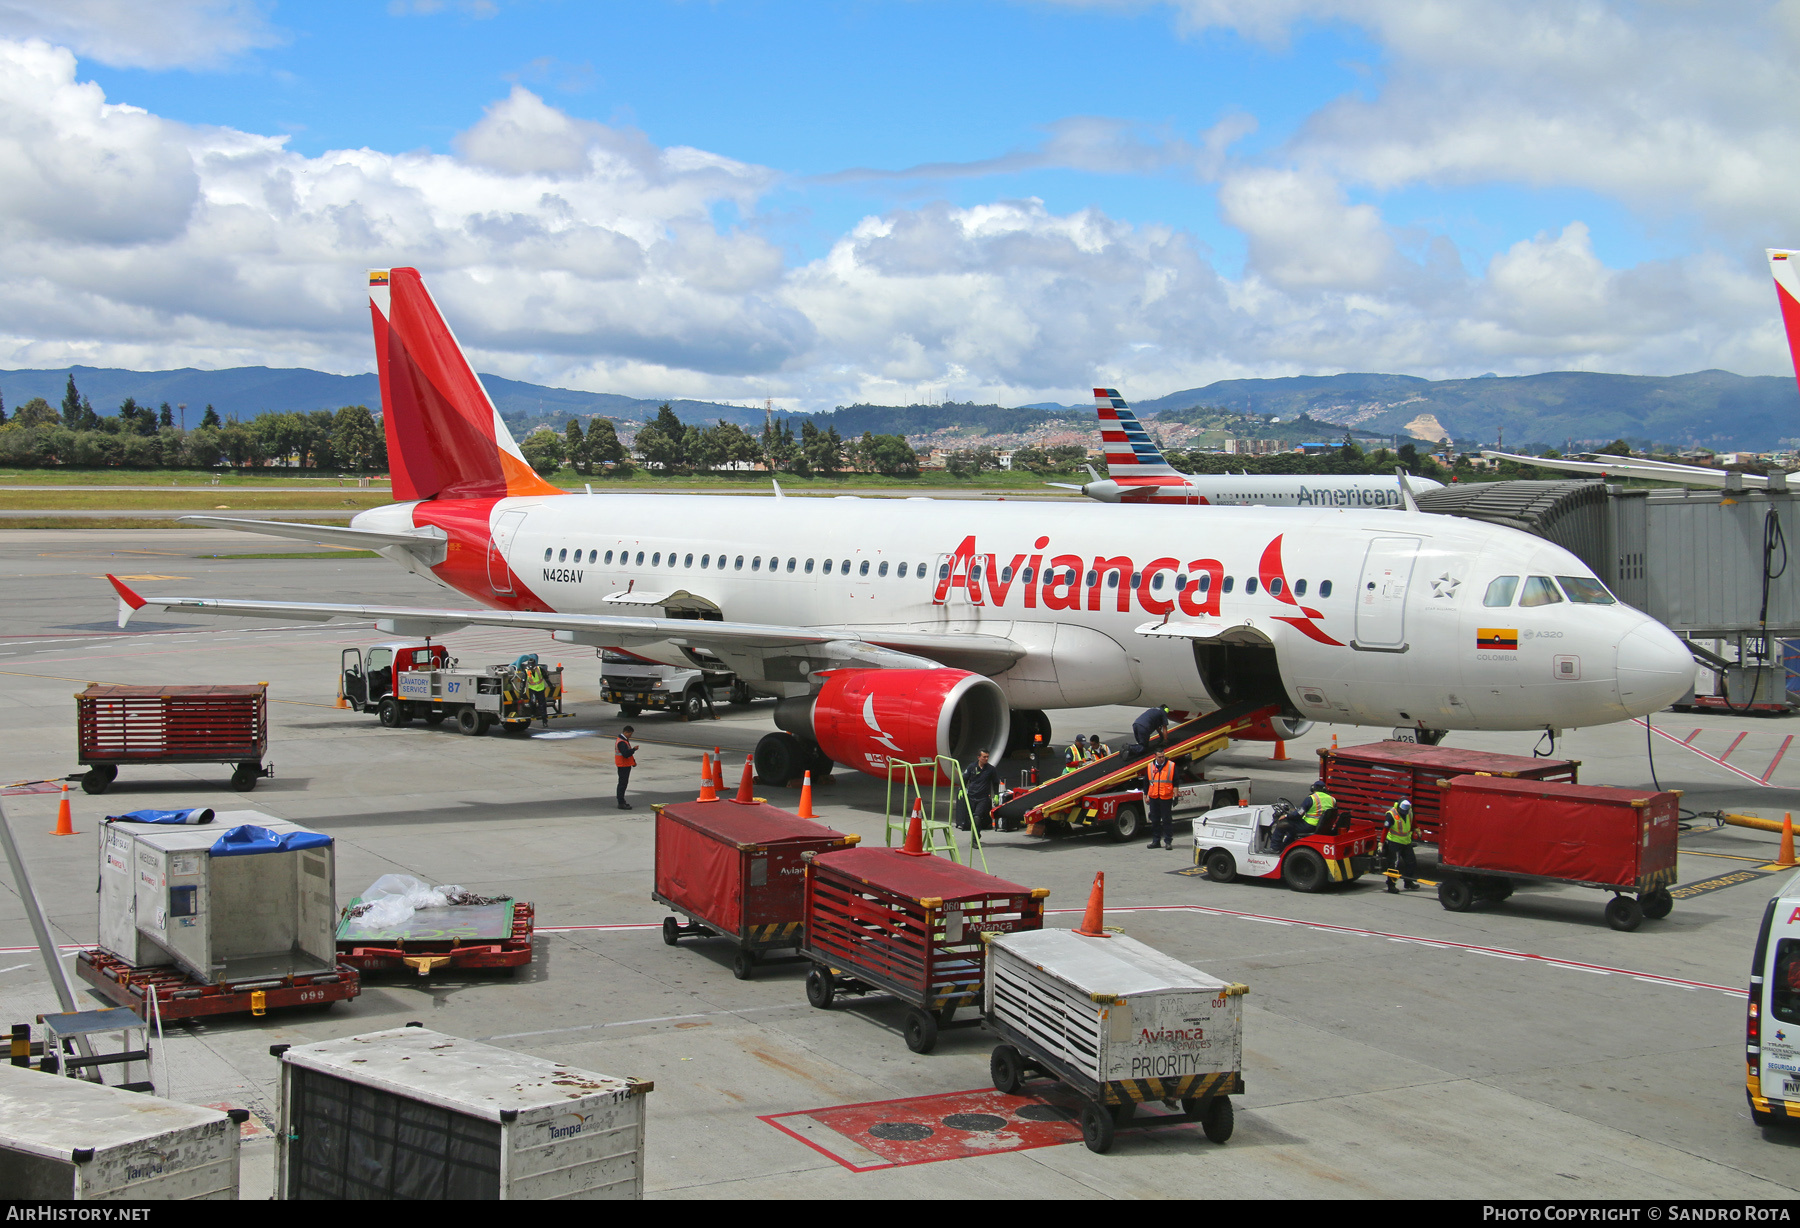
(1149, 723)
(1076, 756)
(1097, 749)
(624, 758)
(537, 690)
(981, 780)
(1318, 804)
(1159, 801)
(1398, 846)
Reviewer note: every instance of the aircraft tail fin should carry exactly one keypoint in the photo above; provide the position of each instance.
(1787, 293)
(1130, 452)
(445, 438)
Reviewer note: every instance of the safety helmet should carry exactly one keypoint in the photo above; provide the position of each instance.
(1405, 805)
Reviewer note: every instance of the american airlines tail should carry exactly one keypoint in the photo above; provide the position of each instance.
(445, 438)
(1129, 451)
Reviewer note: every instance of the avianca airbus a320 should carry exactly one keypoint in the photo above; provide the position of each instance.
(912, 628)
(1137, 472)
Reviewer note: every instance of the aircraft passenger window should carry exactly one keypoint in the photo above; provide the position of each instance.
(902, 570)
(593, 555)
(1005, 575)
(791, 563)
(1249, 584)
(1500, 591)
(1275, 587)
(1299, 588)
(1156, 582)
(975, 574)
(609, 556)
(882, 570)
(1093, 578)
(655, 559)
(688, 563)
(1181, 583)
(1583, 590)
(1226, 587)
(738, 563)
(827, 566)
(1205, 580)
(943, 571)
(809, 566)
(844, 567)
(756, 563)
(1540, 591)
(563, 557)
(863, 570)
(640, 558)
(1324, 588)
(672, 559)
(1028, 575)
(548, 552)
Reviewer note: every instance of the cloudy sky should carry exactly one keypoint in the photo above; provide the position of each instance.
(906, 200)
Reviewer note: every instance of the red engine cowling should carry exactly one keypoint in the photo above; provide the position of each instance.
(1275, 729)
(862, 718)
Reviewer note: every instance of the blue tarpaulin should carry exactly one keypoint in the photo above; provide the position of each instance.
(162, 816)
(242, 841)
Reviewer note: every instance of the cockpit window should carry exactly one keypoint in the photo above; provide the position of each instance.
(1500, 591)
(1584, 590)
(1539, 591)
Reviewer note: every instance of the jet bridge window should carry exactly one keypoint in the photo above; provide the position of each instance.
(1583, 590)
(1540, 591)
(1500, 591)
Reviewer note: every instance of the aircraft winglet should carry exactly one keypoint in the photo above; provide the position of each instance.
(1407, 502)
(129, 602)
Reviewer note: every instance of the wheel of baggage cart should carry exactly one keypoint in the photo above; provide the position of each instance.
(920, 1029)
(1215, 1116)
(671, 930)
(1657, 904)
(819, 989)
(1624, 913)
(779, 758)
(468, 721)
(1096, 1127)
(99, 778)
(1304, 870)
(1128, 822)
(244, 776)
(393, 713)
(1455, 893)
(435, 717)
(629, 710)
(1007, 1066)
(743, 964)
(1221, 866)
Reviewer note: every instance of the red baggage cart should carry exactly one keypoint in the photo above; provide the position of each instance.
(172, 724)
(889, 921)
(1366, 780)
(734, 870)
(167, 990)
(460, 938)
(1493, 830)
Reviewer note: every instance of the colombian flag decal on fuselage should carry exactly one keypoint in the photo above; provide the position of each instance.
(1497, 637)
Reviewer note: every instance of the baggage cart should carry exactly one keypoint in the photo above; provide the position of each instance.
(889, 921)
(71, 1139)
(409, 1113)
(460, 937)
(1366, 780)
(117, 725)
(181, 996)
(1119, 1023)
(734, 869)
(1495, 830)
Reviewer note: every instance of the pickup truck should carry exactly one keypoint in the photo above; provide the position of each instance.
(637, 685)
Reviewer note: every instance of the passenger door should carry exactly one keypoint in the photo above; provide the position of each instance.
(499, 547)
(1381, 594)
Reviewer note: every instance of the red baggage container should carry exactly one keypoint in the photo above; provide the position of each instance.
(734, 869)
(172, 724)
(1619, 840)
(893, 922)
(1366, 780)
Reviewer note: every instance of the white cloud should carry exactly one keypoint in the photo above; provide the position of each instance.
(137, 34)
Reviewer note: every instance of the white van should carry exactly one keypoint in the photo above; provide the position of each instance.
(1772, 1035)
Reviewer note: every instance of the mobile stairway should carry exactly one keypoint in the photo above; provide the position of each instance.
(1198, 735)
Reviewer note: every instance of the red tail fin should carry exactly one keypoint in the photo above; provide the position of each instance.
(445, 438)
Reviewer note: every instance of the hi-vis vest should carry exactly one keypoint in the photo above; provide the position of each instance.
(1162, 780)
(536, 680)
(621, 754)
(1401, 831)
(1317, 806)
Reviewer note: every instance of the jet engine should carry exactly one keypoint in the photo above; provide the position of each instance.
(862, 718)
(1275, 729)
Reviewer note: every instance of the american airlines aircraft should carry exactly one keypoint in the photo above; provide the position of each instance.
(908, 628)
(1136, 472)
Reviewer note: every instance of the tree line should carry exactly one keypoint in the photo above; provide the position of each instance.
(39, 434)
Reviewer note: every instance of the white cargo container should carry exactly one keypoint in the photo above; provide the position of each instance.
(411, 1113)
(67, 1138)
(1118, 1021)
(166, 899)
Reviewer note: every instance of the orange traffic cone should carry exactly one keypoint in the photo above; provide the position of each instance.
(915, 832)
(1785, 857)
(806, 810)
(341, 702)
(1280, 755)
(1334, 741)
(718, 770)
(1093, 923)
(745, 796)
(65, 819)
(707, 792)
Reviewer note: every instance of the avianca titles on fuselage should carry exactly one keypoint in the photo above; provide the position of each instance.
(909, 628)
(1137, 472)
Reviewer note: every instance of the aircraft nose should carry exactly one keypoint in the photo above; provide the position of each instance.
(1655, 669)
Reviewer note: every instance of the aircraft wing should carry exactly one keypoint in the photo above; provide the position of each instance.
(1632, 467)
(430, 544)
(756, 650)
